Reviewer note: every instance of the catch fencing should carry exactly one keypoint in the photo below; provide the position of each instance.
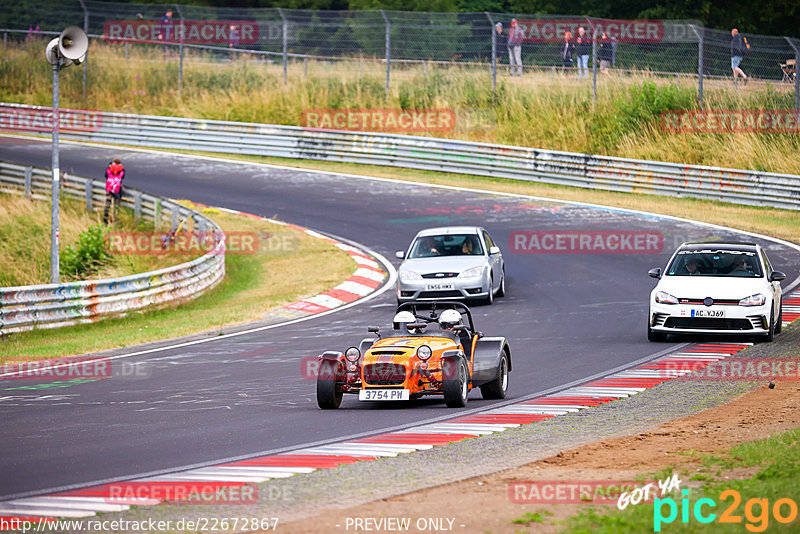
(55, 305)
(401, 40)
(754, 188)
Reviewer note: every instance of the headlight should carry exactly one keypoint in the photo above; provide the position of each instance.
(352, 354)
(753, 300)
(407, 276)
(474, 272)
(424, 352)
(662, 297)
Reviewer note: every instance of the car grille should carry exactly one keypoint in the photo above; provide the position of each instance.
(384, 374)
(717, 302)
(439, 294)
(379, 352)
(436, 275)
(708, 323)
(659, 319)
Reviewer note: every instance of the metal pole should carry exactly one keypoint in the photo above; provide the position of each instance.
(700, 69)
(86, 30)
(796, 78)
(180, 49)
(56, 181)
(388, 50)
(285, 45)
(594, 60)
(493, 68)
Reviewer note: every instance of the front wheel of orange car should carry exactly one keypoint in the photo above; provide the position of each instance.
(455, 384)
(329, 391)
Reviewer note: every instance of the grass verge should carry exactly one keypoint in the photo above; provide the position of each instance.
(746, 483)
(254, 284)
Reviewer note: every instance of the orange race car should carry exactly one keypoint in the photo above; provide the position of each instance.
(433, 349)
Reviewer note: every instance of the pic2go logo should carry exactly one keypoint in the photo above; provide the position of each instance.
(784, 510)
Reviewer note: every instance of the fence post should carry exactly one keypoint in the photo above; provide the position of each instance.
(87, 195)
(594, 59)
(180, 49)
(699, 65)
(388, 49)
(493, 68)
(285, 45)
(5, 39)
(28, 172)
(86, 30)
(796, 78)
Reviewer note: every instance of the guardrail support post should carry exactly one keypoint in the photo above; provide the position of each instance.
(137, 206)
(87, 195)
(175, 218)
(388, 50)
(700, 67)
(796, 78)
(493, 68)
(285, 45)
(28, 173)
(157, 213)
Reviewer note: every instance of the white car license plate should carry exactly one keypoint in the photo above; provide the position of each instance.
(439, 287)
(708, 313)
(383, 394)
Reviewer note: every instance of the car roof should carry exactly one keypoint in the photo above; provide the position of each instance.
(729, 245)
(445, 230)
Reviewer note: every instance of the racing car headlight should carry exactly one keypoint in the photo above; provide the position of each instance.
(407, 276)
(473, 272)
(662, 297)
(753, 300)
(424, 352)
(352, 354)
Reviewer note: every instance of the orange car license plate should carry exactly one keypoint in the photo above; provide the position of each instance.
(383, 394)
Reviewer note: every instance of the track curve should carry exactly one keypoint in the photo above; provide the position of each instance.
(567, 317)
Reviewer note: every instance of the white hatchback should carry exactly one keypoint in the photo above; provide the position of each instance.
(716, 288)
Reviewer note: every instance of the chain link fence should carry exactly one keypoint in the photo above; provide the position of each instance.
(395, 41)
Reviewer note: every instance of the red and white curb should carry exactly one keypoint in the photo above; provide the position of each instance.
(97, 499)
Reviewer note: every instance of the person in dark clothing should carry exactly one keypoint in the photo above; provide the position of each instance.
(583, 47)
(567, 49)
(115, 173)
(738, 49)
(605, 54)
(500, 41)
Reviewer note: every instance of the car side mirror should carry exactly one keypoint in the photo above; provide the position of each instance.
(400, 254)
(654, 273)
(494, 250)
(777, 276)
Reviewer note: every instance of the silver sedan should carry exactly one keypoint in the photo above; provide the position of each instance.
(457, 262)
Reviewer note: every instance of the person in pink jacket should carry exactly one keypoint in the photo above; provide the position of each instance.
(115, 173)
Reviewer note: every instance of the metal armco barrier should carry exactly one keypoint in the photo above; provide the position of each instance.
(427, 153)
(55, 305)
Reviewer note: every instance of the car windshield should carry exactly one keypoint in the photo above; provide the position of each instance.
(739, 263)
(446, 245)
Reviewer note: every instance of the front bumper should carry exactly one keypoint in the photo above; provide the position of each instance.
(678, 319)
(462, 289)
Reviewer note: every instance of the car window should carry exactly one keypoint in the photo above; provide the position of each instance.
(446, 245)
(767, 264)
(488, 239)
(708, 262)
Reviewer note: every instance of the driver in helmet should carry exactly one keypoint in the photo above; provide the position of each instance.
(402, 320)
(448, 320)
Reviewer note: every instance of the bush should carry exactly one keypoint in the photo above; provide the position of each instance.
(89, 254)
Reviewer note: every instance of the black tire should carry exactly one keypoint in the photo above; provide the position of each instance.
(489, 299)
(496, 389)
(502, 291)
(455, 383)
(779, 323)
(770, 335)
(655, 337)
(329, 392)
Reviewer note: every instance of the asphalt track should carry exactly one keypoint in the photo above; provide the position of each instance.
(567, 317)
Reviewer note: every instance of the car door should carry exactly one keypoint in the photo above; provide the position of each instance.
(495, 260)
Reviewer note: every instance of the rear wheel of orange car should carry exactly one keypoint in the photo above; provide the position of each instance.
(329, 390)
(496, 389)
(456, 383)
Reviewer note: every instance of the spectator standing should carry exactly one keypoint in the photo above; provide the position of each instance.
(500, 41)
(233, 39)
(738, 49)
(166, 29)
(115, 173)
(583, 48)
(567, 50)
(515, 36)
(605, 54)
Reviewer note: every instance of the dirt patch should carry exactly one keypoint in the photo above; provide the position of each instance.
(483, 504)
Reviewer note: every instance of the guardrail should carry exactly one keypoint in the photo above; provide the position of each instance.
(465, 157)
(55, 305)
